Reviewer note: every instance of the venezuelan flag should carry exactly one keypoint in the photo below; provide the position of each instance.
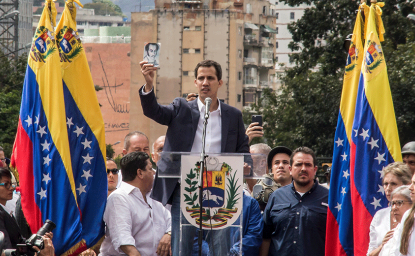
(54, 185)
(339, 229)
(375, 139)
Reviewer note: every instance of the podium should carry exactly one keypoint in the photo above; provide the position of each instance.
(223, 197)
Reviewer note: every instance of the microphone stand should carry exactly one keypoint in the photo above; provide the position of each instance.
(202, 170)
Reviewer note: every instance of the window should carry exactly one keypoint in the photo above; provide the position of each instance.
(264, 10)
(290, 60)
(198, 28)
(266, 56)
(246, 53)
(186, 28)
(276, 2)
(239, 75)
(276, 29)
(197, 50)
(185, 50)
(276, 44)
(185, 73)
(240, 30)
(240, 54)
(292, 15)
(248, 8)
(239, 97)
(276, 15)
(276, 59)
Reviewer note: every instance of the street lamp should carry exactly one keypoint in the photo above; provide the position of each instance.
(118, 142)
(10, 15)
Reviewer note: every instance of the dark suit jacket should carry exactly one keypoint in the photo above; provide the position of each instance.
(182, 118)
(10, 229)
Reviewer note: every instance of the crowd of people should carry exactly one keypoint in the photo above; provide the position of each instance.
(287, 218)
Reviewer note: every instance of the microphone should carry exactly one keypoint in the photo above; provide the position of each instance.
(208, 102)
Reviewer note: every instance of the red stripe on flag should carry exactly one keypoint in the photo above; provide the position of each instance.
(333, 245)
(361, 216)
(23, 149)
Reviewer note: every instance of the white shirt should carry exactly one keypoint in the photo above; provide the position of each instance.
(131, 221)
(213, 130)
(379, 226)
(396, 239)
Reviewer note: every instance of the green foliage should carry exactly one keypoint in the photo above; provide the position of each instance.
(110, 151)
(104, 7)
(305, 110)
(11, 83)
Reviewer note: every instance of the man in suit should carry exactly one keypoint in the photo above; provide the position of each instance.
(8, 224)
(225, 130)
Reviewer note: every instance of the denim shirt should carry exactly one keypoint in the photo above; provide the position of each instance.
(296, 224)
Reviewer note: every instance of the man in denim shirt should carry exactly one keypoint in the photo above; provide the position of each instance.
(295, 216)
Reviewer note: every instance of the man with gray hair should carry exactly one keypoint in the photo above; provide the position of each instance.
(157, 149)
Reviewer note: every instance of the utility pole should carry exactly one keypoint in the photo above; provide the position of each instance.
(9, 28)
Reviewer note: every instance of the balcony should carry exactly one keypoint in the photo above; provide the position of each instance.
(250, 61)
(264, 84)
(106, 39)
(250, 39)
(266, 62)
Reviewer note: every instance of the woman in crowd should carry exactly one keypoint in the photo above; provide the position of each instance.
(404, 238)
(394, 175)
(400, 202)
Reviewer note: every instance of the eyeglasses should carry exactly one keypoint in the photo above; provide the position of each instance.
(7, 185)
(114, 171)
(398, 203)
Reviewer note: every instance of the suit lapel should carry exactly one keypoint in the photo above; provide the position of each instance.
(225, 118)
(195, 118)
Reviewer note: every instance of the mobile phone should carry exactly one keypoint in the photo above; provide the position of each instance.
(257, 119)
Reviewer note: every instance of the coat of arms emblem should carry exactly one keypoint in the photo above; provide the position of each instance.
(222, 191)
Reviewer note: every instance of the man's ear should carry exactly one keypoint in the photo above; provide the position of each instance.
(124, 151)
(140, 173)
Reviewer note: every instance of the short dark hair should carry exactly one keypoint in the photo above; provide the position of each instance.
(148, 46)
(4, 172)
(128, 137)
(207, 64)
(304, 150)
(131, 162)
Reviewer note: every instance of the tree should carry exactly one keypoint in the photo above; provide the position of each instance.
(305, 110)
(104, 7)
(11, 83)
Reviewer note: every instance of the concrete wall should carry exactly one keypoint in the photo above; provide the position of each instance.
(114, 31)
(110, 69)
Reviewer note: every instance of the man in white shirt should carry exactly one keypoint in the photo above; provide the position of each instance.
(136, 224)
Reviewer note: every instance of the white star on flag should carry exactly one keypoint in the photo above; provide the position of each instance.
(338, 207)
(364, 133)
(380, 157)
(46, 160)
(339, 142)
(28, 121)
(81, 189)
(86, 143)
(381, 189)
(46, 178)
(45, 146)
(78, 131)
(344, 156)
(375, 203)
(69, 122)
(343, 190)
(346, 174)
(87, 158)
(356, 131)
(373, 143)
(42, 193)
(86, 174)
(381, 173)
(37, 120)
(41, 130)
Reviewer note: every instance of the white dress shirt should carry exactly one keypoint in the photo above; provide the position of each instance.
(213, 130)
(131, 221)
(396, 239)
(379, 226)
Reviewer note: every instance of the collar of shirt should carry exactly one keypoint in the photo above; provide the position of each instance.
(308, 192)
(130, 189)
(202, 107)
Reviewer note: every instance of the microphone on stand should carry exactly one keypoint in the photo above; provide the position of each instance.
(208, 102)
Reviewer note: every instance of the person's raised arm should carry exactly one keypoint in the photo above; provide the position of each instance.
(148, 71)
(130, 250)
